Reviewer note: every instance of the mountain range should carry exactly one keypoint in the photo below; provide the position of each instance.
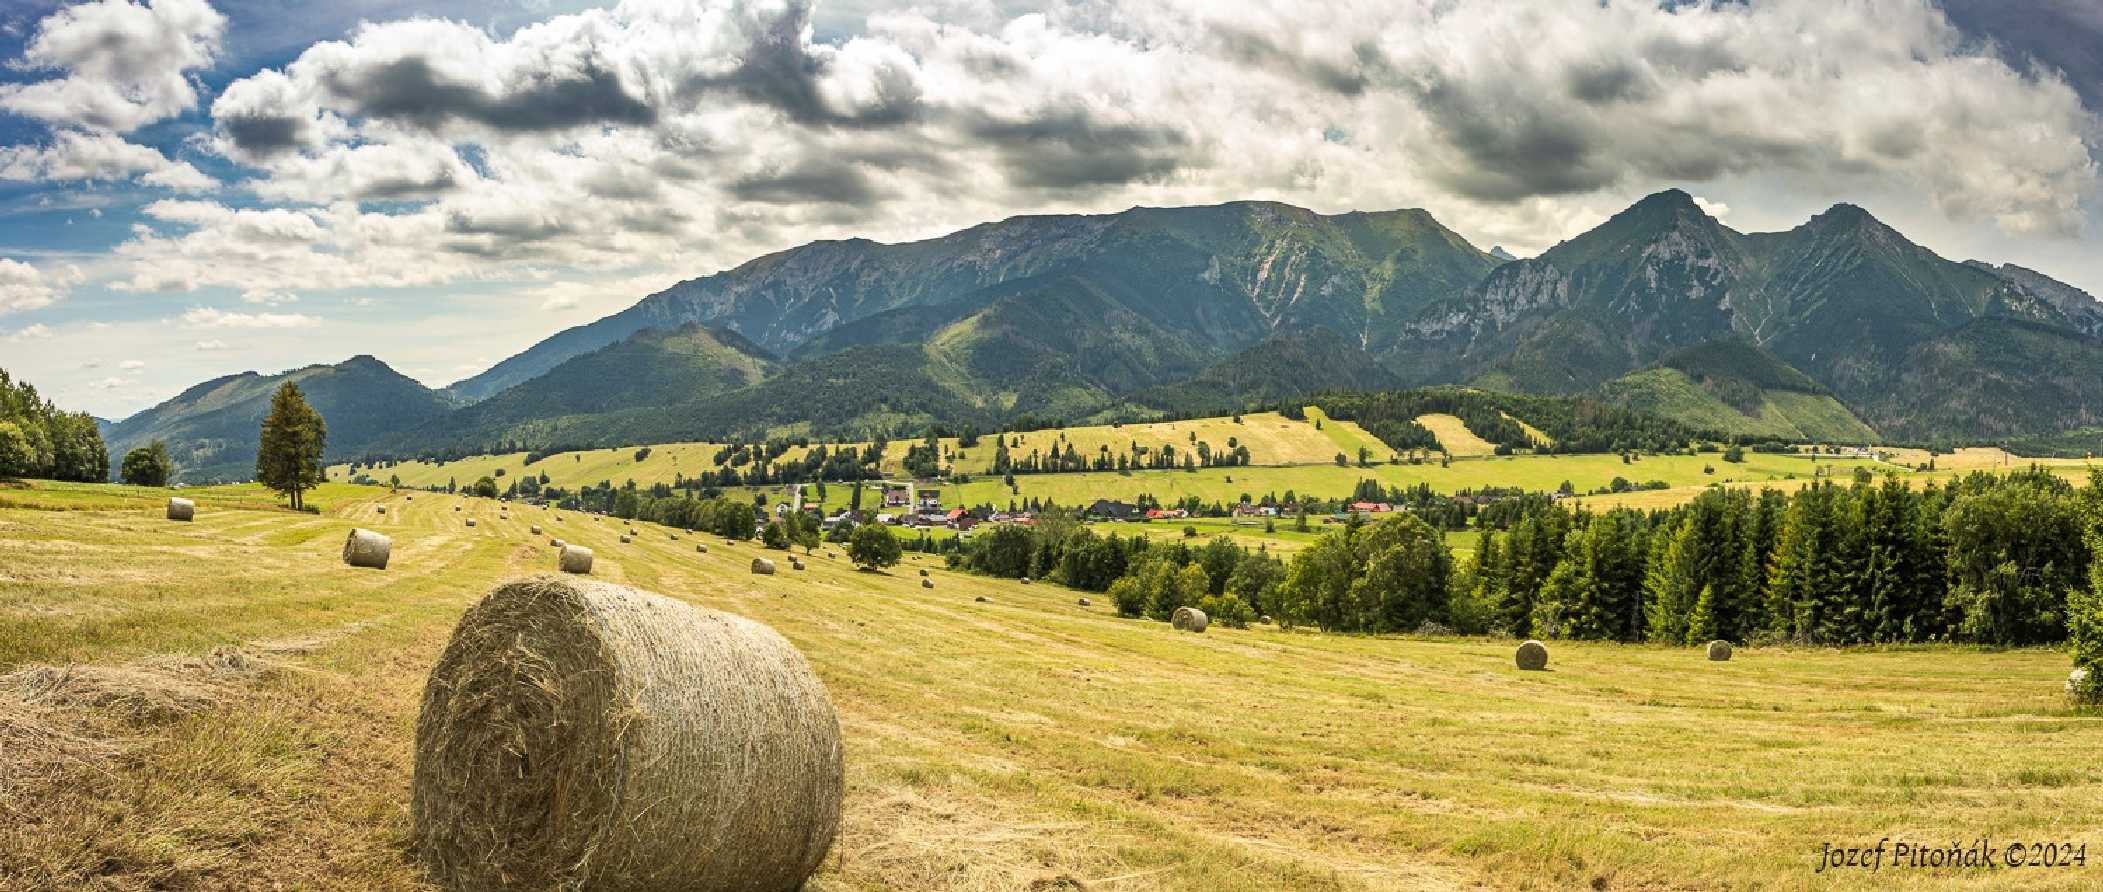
(1839, 329)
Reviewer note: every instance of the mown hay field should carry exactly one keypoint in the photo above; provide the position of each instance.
(1023, 742)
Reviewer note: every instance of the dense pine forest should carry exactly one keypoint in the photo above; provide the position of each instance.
(1987, 559)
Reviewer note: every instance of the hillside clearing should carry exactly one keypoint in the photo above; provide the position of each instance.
(1000, 744)
(1454, 437)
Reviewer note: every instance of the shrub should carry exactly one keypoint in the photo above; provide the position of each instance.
(872, 546)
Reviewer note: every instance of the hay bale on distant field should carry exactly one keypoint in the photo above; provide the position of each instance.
(536, 529)
(700, 548)
(1085, 602)
(556, 543)
(379, 509)
(1533, 656)
(927, 583)
(584, 735)
(795, 564)
(624, 540)
(1189, 619)
(762, 566)
(923, 571)
(982, 599)
(470, 521)
(456, 509)
(182, 509)
(2077, 687)
(1025, 580)
(574, 559)
(1719, 651)
(675, 536)
(366, 548)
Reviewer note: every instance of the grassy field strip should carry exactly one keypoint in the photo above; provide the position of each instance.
(995, 745)
(1272, 439)
(1454, 437)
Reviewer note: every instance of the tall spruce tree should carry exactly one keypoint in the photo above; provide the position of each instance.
(288, 455)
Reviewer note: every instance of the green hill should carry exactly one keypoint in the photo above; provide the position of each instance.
(1728, 386)
(211, 428)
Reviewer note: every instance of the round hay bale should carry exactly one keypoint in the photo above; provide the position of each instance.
(1085, 602)
(1189, 619)
(927, 583)
(536, 529)
(470, 521)
(1025, 580)
(456, 509)
(982, 599)
(2077, 687)
(409, 498)
(585, 735)
(182, 509)
(366, 548)
(574, 559)
(624, 540)
(556, 543)
(762, 566)
(1719, 651)
(379, 509)
(700, 548)
(923, 571)
(795, 564)
(1533, 656)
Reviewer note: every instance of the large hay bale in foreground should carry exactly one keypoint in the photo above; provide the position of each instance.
(574, 559)
(584, 735)
(182, 509)
(1189, 619)
(762, 566)
(1719, 650)
(1533, 656)
(366, 548)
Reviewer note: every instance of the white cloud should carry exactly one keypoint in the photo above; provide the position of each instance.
(24, 287)
(132, 365)
(210, 345)
(207, 317)
(99, 157)
(36, 332)
(124, 64)
(269, 298)
(110, 383)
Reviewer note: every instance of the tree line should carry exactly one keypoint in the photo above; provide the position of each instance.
(39, 440)
(1989, 559)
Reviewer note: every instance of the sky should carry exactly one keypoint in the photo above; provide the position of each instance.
(193, 188)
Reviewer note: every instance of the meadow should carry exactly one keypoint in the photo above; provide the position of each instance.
(1272, 439)
(1024, 742)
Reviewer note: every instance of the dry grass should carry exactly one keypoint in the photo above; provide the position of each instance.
(1453, 435)
(1021, 743)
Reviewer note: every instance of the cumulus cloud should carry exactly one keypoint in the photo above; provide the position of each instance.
(132, 365)
(98, 157)
(207, 317)
(36, 332)
(209, 346)
(25, 287)
(123, 64)
(693, 134)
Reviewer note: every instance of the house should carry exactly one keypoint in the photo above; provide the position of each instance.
(1371, 507)
(962, 522)
(930, 500)
(1106, 509)
(1166, 514)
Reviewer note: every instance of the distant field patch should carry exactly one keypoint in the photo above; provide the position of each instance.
(1455, 437)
